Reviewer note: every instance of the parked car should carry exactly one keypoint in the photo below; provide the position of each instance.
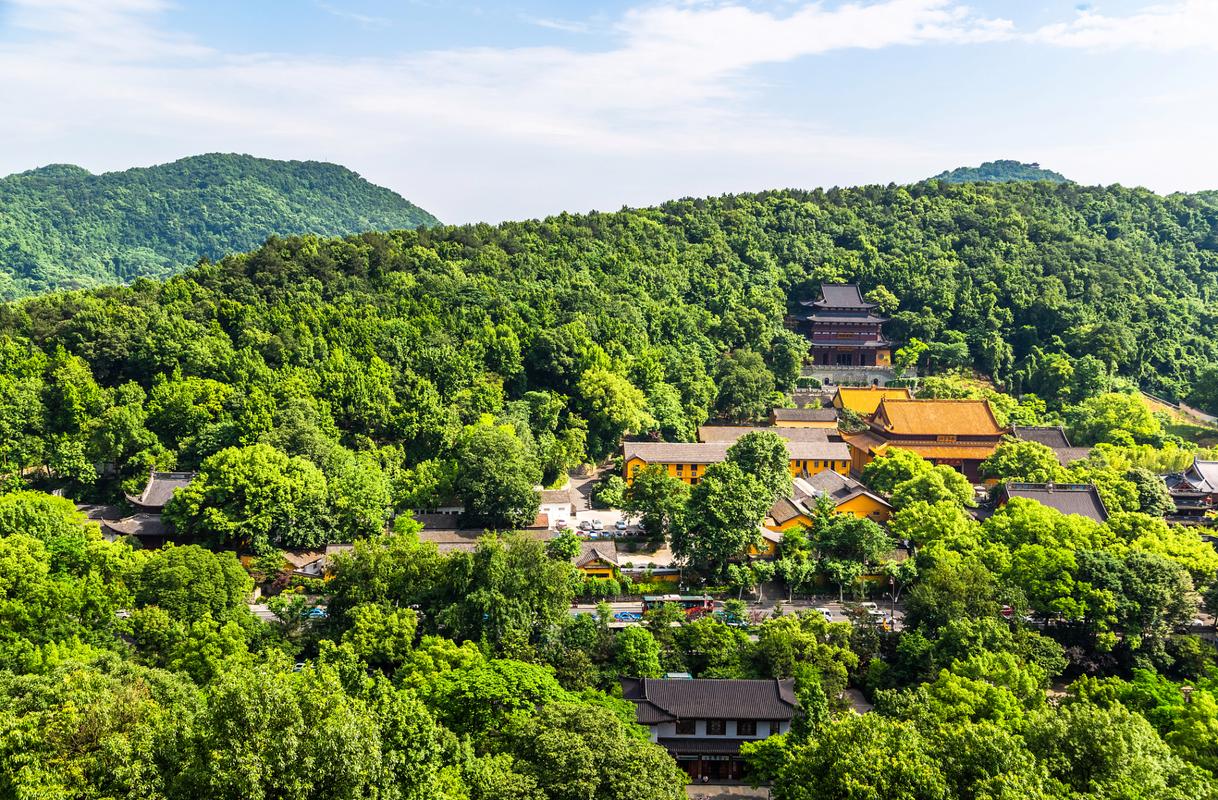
(620, 525)
(585, 525)
(826, 613)
(597, 525)
(628, 616)
(559, 524)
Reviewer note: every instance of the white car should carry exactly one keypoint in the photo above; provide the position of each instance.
(597, 525)
(826, 613)
(869, 606)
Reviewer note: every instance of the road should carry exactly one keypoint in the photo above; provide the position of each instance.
(761, 610)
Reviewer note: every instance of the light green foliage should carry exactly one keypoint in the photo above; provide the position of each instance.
(636, 653)
(614, 406)
(764, 455)
(69, 538)
(577, 751)
(254, 497)
(382, 637)
(495, 477)
(1025, 461)
(723, 517)
(893, 468)
(862, 756)
(940, 484)
(563, 547)
(656, 498)
(1117, 418)
(190, 582)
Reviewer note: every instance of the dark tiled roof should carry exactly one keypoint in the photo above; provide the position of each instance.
(1201, 476)
(730, 433)
(840, 295)
(663, 700)
(160, 488)
(1069, 498)
(697, 745)
(593, 551)
(786, 509)
(827, 482)
(1053, 436)
(448, 540)
(142, 524)
(714, 452)
(805, 414)
(839, 488)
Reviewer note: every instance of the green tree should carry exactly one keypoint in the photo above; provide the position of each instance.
(636, 653)
(495, 477)
(745, 386)
(723, 518)
(941, 484)
(1025, 461)
(254, 497)
(190, 582)
(657, 498)
(1113, 417)
(1153, 497)
(894, 467)
(764, 455)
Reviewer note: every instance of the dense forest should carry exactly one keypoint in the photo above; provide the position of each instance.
(392, 347)
(1000, 171)
(62, 227)
(323, 387)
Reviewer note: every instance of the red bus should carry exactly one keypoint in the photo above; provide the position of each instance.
(695, 605)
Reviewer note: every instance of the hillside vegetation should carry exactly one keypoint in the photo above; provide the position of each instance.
(321, 386)
(62, 227)
(1001, 171)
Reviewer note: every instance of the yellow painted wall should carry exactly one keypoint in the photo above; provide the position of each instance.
(766, 549)
(794, 522)
(829, 423)
(882, 358)
(597, 569)
(859, 458)
(687, 472)
(865, 507)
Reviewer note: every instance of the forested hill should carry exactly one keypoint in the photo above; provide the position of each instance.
(581, 328)
(63, 227)
(1001, 172)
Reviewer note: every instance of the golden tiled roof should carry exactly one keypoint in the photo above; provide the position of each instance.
(864, 400)
(937, 418)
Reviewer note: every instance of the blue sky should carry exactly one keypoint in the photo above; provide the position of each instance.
(491, 111)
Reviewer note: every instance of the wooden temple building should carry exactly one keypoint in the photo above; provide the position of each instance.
(844, 329)
(958, 433)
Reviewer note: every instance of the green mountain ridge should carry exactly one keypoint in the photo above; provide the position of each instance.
(63, 227)
(1001, 171)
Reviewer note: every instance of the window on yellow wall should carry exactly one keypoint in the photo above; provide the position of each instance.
(680, 469)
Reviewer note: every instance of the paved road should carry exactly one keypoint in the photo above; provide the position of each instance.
(761, 610)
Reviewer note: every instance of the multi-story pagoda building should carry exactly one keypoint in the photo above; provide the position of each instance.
(845, 330)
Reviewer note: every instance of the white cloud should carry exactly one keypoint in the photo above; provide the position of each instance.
(365, 20)
(479, 132)
(668, 109)
(1177, 26)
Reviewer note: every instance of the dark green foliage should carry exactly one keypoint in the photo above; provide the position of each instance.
(1000, 171)
(62, 228)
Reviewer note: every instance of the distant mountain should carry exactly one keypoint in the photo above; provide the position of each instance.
(1001, 172)
(62, 227)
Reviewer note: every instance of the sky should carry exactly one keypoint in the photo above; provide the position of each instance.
(487, 111)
